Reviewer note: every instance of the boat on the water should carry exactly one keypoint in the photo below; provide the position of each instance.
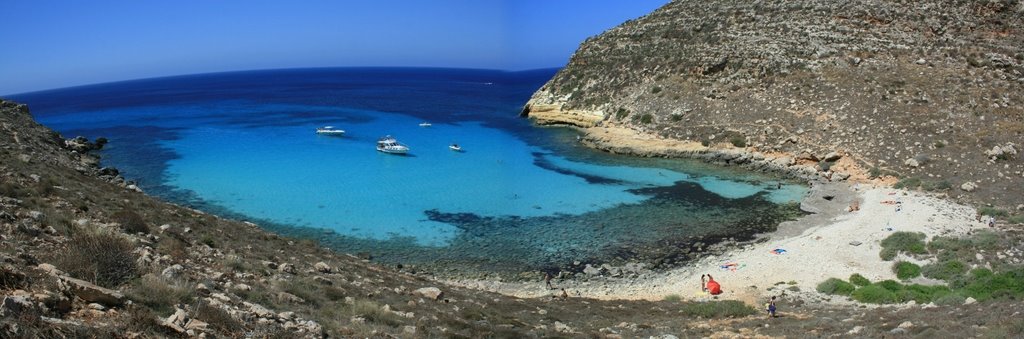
(455, 147)
(425, 124)
(388, 144)
(330, 130)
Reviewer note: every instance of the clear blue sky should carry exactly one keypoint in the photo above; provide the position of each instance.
(52, 44)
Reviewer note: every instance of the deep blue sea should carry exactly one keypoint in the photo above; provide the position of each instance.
(518, 197)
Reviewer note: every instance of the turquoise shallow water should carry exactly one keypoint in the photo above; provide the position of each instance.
(519, 197)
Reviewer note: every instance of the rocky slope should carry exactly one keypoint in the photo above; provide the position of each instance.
(929, 92)
(83, 253)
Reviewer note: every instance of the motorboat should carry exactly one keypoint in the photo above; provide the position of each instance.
(455, 147)
(330, 130)
(388, 144)
(425, 124)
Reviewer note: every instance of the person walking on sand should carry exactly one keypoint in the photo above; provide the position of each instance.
(771, 308)
(547, 279)
(565, 295)
(703, 283)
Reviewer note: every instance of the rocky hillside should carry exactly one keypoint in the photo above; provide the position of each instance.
(928, 92)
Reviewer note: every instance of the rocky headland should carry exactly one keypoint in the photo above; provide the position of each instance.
(927, 93)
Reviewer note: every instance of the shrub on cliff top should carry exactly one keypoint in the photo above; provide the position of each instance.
(944, 270)
(131, 222)
(874, 294)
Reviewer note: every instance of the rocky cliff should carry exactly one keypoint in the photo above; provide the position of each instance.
(930, 92)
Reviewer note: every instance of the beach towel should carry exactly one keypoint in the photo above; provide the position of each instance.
(778, 251)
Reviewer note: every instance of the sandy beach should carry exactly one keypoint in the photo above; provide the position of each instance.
(831, 243)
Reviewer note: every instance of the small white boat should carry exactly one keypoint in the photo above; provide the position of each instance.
(425, 124)
(388, 144)
(330, 130)
(455, 147)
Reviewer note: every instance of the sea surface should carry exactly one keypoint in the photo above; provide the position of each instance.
(518, 198)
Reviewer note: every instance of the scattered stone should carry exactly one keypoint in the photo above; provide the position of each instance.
(970, 301)
(430, 293)
(968, 186)
(855, 243)
(906, 324)
(911, 163)
(408, 329)
(172, 272)
(831, 157)
(258, 310)
(322, 267)
(286, 268)
(591, 270)
(666, 336)
(560, 327)
(856, 330)
(13, 305)
(97, 307)
(243, 287)
(92, 293)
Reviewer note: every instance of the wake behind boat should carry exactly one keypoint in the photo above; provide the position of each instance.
(330, 130)
(388, 144)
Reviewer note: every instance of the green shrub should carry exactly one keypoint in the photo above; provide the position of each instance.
(738, 141)
(621, 113)
(717, 309)
(102, 258)
(891, 285)
(951, 299)
(908, 183)
(859, 280)
(874, 294)
(984, 284)
(923, 293)
(988, 240)
(159, 294)
(646, 118)
(944, 270)
(995, 212)
(219, 320)
(906, 270)
(131, 222)
(875, 172)
(673, 298)
(836, 286)
(1017, 219)
(903, 242)
(655, 90)
(941, 185)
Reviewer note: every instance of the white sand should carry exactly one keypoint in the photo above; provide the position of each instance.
(822, 250)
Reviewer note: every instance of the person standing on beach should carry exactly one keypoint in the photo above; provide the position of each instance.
(547, 279)
(703, 283)
(771, 308)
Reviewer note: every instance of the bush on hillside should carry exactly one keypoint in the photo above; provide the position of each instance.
(859, 280)
(131, 222)
(874, 294)
(944, 270)
(906, 270)
(909, 242)
(102, 258)
(159, 294)
(836, 286)
(717, 309)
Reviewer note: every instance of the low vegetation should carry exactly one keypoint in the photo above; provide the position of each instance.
(105, 259)
(717, 309)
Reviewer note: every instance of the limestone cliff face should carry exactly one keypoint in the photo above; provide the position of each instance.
(930, 89)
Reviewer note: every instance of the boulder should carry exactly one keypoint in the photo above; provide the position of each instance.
(92, 293)
(913, 163)
(286, 268)
(258, 310)
(831, 156)
(430, 293)
(172, 272)
(968, 186)
(14, 305)
(322, 267)
(591, 270)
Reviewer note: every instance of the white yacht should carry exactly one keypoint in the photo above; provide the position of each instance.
(388, 144)
(425, 124)
(455, 147)
(330, 130)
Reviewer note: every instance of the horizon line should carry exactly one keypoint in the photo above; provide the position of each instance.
(273, 69)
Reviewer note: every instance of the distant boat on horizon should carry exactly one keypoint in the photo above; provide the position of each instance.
(455, 147)
(425, 124)
(330, 130)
